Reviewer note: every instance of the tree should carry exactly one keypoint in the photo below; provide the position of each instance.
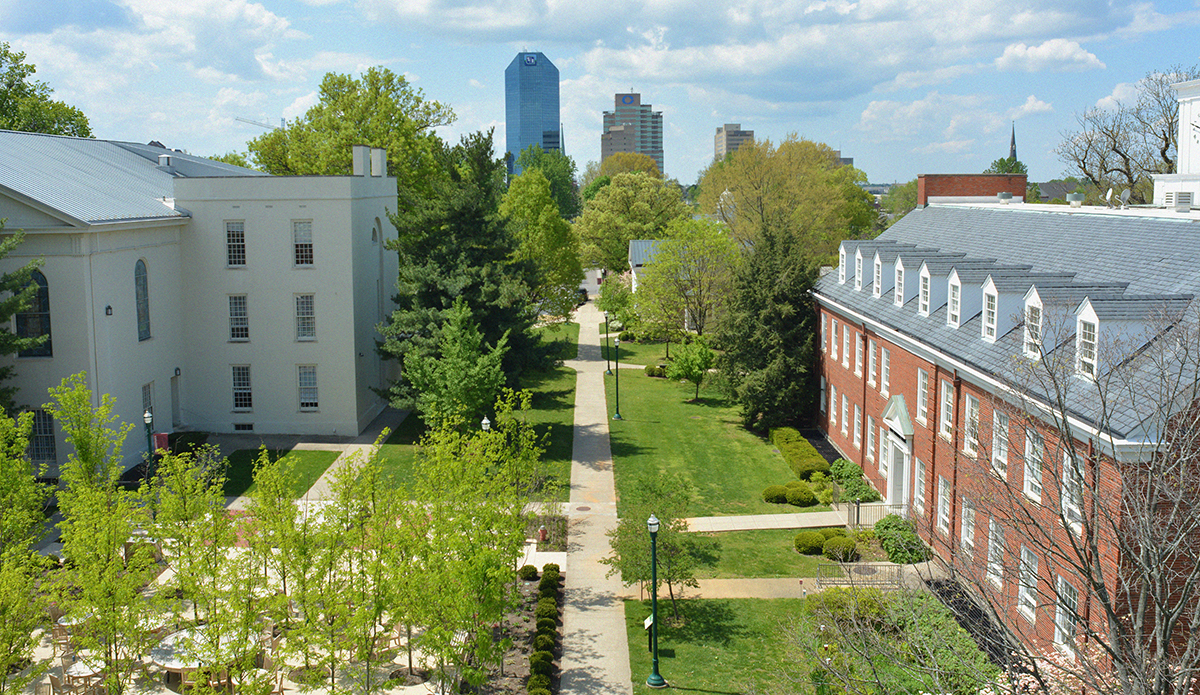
(633, 206)
(1122, 146)
(593, 187)
(380, 109)
(899, 201)
(692, 362)
(18, 293)
(1007, 165)
(238, 159)
(26, 105)
(628, 163)
(463, 379)
(544, 240)
(454, 244)
(694, 266)
(559, 170)
(800, 187)
(616, 299)
(767, 337)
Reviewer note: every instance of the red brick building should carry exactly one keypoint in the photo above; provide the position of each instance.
(990, 366)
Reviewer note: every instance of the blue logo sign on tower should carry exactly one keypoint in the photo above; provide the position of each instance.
(531, 60)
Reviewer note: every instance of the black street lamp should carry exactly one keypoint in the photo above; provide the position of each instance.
(654, 680)
(148, 418)
(617, 357)
(607, 367)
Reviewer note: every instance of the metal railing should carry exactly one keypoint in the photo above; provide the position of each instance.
(879, 575)
(859, 515)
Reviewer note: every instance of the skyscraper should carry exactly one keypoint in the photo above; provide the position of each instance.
(633, 127)
(728, 138)
(530, 106)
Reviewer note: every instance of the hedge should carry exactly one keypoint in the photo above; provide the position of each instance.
(801, 495)
(833, 532)
(541, 663)
(799, 454)
(898, 538)
(538, 681)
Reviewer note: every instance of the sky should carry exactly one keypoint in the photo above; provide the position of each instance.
(905, 87)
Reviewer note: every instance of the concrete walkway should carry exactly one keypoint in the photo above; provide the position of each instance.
(595, 658)
(766, 521)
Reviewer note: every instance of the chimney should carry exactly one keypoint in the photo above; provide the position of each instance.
(360, 155)
(378, 161)
(969, 188)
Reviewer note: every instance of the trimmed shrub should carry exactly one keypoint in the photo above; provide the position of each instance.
(547, 591)
(858, 489)
(546, 608)
(809, 542)
(833, 533)
(775, 494)
(528, 573)
(549, 584)
(547, 626)
(538, 691)
(627, 337)
(543, 643)
(799, 454)
(900, 541)
(801, 495)
(840, 549)
(541, 663)
(551, 567)
(825, 496)
(538, 682)
(650, 369)
(793, 483)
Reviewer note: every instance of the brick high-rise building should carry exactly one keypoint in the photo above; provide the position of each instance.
(729, 137)
(633, 127)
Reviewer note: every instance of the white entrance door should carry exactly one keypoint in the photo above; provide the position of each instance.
(898, 470)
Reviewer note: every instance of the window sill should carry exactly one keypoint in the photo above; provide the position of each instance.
(996, 582)
(306, 340)
(242, 410)
(238, 340)
(1032, 498)
(309, 410)
(1027, 614)
(1000, 474)
(235, 267)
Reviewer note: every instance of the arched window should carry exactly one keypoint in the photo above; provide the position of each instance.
(141, 287)
(34, 322)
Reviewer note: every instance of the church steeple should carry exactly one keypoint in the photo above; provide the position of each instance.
(1012, 145)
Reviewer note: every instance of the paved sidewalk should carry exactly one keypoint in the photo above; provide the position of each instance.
(766, 521)
(780, 587)
(595, 658)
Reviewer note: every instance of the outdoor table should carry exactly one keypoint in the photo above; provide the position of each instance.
(73, 620)
(172, 655)
(83, 670)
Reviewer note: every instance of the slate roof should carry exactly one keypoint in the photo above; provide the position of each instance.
(96, 181)
(641, 251)
(1131, 266)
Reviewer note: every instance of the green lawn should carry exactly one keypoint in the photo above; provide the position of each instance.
(664, 431)
(764, 553)
(564, 337)
(725, 646)
(635, 353)
(239, 476)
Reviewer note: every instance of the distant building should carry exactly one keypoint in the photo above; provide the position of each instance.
(633, 127)
(531, 115)
(729, 137)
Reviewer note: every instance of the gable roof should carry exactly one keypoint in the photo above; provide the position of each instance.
(88, 181)
(641, 251)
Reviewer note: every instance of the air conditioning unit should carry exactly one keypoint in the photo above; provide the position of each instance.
(1180, 201)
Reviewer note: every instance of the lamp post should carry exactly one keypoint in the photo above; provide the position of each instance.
(654, 680)
(486, 424)
(617, 357)
(148, 418)
(607, 367)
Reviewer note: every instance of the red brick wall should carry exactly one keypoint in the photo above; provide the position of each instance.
(979, 185)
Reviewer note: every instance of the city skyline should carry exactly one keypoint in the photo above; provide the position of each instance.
(531, 105)
(904, 90)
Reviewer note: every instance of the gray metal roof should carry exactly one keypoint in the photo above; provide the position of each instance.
(95, 181)
(641, 251)
(1130, 267)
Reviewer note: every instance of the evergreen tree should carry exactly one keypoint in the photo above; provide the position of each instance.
(768, 334)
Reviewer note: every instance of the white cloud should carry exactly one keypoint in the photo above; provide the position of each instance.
(300, 105)
(475, 83)
(925, 78)
(1123, 93)
(1059, 55)
(1031, 106)
(947, 147)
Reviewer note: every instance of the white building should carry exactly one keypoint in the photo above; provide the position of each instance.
(1168, 187)
(218, 298)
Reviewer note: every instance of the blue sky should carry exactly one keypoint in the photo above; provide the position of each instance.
(902, 86)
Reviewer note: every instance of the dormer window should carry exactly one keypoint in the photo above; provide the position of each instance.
(1033, 331)
(954, 304)
(1085, 348)
(878, 275)
(858, 271)
(842, 266)
(899, 286)
(923, 307)
(989, 316)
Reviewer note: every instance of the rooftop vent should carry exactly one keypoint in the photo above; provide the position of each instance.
(1075, 199)
(1180, 201)
(164, 160)
(1005, 197)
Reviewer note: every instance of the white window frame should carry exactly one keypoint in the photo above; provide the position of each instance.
(899, 295)
(1000, 425)
(1066, 614)
(306, 317)
(833, 335)
(919, 489)
(822, 399)
(1086, 342)
(1027, 585)
(858, 271)
(303, 253)
(846, 346)
(966, 525)
(857, 427)
(1035, 460)
(943, 505)
(877, 290)
(243, 388)
(970, 443)
(832, 406)
(991, 304)
(1071, 493)
(870, 438)
(871, 363)
(858, 354)
(922, 396)
(239, 319)
(995, 553)
(885, 370)
(842, 266)
(954, 304)
(885, 451)
(1033, 330)
(923, 304)
(824, 333)
(946, 415)
(845, 415)
(235, 243)
(306, 387)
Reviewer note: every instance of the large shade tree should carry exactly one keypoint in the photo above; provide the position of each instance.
(25, 103)
(633, 206)
(545, 240)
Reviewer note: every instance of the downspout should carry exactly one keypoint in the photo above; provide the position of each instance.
(89, 305)
(954, 469)
(862, 378)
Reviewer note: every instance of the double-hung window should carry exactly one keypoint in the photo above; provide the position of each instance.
(989, 316)
(845, 347)
(845, 414)
(41, 440)
(1035, 448)
(899, 286)
(141, 291)
(923, 307)
(954, 305)
(1033, 331)
(833, 335)
(822, 399)
(1027, 590)
(306, 317)
(885, 451)
(966, 531)
(858, 355)
(858, 272)
(1086, 348)
(842, 266)
(870, 438)
(943, 505)
(34, 320)
(971, 433)
(871, 363)
(1066, 614)
(239, 322)
(919, 488)
(995, 553)
(885, 370)
(824, 336)
(832, 406)
(1000, 442)
(307, 380)
(1071, 492)
(302, 243)
(922, 396)
(243, 395)
(946, 420)
(857, 427)
(235, 244)
(877, 290)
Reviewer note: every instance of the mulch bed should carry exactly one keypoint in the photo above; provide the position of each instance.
(520, 627)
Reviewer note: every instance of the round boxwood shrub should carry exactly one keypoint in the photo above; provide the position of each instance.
(650, 370)
(547, 626)
(543, 643)
(627, 337)
(546, 608)
(775, 494)
(793, 483)
(551, 567)
(537, 682)
(541, 663)
(840, 549)
(809, 542)
(538, 691)
(528, 573)
(833, 532)
(801, 495)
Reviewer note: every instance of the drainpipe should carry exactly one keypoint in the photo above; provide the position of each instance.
(958, 401)
(862, 341)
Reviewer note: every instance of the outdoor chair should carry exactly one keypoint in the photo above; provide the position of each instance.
(60, 639)
(268, 673)
(59, 688)
(187, 679)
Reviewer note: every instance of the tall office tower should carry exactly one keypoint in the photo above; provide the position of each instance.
(530, 106)
(633, 127)
(729, 137)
